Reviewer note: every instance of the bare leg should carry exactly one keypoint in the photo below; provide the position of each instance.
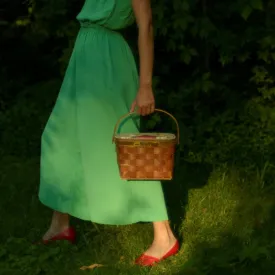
(164, 239)
(60, 222)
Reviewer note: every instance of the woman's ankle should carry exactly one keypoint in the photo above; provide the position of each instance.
(60, 222)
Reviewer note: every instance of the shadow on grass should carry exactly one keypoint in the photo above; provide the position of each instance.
(186, 176)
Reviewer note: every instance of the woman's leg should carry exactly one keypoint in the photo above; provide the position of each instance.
(60, 222)
(164, 239)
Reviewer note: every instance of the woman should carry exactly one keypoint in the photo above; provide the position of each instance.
(79, 172)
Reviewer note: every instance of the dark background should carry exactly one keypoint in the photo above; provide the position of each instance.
(214, 71)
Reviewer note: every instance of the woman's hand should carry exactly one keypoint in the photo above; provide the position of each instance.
(144, 102)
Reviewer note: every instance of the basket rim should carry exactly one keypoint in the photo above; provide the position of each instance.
(159, 136)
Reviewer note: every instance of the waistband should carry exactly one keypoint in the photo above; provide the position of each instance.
(89, 24)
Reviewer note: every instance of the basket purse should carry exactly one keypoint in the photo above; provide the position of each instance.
(146, 156)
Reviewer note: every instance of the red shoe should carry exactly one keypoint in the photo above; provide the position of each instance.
(67, 235)
(146, 260)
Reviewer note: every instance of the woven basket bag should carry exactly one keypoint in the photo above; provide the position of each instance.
(146, 156)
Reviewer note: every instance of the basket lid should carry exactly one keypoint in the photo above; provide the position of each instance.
(146, 136)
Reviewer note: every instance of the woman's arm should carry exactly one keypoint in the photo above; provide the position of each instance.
(143, 14)
(145, 98)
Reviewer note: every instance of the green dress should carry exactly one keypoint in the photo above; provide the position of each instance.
(79, 171)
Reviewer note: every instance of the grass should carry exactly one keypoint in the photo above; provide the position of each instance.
(226, 225)
(224, 218)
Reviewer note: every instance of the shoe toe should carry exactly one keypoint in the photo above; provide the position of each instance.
(146, 260)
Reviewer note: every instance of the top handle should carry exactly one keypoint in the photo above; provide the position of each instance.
(157, 110)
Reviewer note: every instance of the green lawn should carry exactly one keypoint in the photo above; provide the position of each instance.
(225, 222)
(225, 219)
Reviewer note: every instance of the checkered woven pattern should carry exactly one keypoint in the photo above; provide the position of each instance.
(146, 162)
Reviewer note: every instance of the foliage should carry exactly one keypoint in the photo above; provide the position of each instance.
(21, 125)
(222, 77)
(214, 70)
(228, 228)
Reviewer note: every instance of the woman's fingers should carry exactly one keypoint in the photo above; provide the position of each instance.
(133, 107)
(144, 111)
(141, 110)
(150, 108)
(147, 109)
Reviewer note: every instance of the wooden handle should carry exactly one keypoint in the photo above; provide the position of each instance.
(156, 110)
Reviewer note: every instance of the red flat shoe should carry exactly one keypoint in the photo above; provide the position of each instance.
(146, 260)
(67, 235)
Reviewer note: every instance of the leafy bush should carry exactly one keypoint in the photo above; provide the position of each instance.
(214, 71)
(21, 125)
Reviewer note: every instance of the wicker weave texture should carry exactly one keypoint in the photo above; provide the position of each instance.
(146, 162)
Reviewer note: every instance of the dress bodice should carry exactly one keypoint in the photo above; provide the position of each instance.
(113, 14)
